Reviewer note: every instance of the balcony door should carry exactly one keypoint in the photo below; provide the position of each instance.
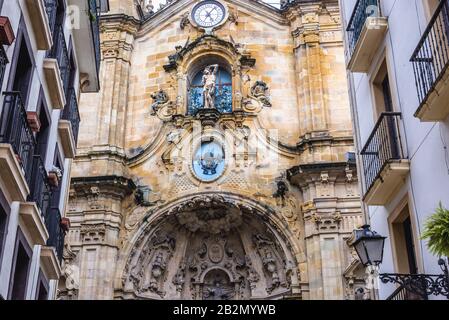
(404, 240)
(383, 102)
(20, 269)
(22, 69)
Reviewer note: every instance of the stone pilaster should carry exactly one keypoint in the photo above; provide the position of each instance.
(331, 210)
(96, 217)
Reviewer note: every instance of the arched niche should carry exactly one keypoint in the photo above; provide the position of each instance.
(194, 56)
(224, 83)
(172, 253)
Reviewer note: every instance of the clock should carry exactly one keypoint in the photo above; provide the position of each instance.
(209, 14)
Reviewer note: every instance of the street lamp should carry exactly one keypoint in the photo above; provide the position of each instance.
(369, 246)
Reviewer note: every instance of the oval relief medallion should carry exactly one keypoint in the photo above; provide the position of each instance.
(216, 253)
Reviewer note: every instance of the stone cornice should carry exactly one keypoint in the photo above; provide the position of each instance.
(116, 185)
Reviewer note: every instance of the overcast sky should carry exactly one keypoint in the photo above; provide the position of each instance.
(272, 2)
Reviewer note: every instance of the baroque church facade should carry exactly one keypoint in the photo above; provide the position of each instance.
(215, 162)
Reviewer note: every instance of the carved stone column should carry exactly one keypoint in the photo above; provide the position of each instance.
(95, 213)
(331, 211)
(117, 45)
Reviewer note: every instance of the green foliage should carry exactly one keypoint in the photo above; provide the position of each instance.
(436, 230)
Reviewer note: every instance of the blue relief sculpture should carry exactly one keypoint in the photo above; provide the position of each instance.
(209, 161)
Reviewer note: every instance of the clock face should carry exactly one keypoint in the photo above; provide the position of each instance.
(209, 13)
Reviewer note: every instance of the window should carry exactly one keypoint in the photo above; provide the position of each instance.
(42, 288)
(222, 93)
(56, 192)
(3, 226)
(23, 70)
(21, 267)
(383, 100)
(43, 134)
(403, 240)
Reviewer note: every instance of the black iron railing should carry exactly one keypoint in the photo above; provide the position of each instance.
(51, 7)
(403, 293)
(94, 14)
(40, 191)
(416, 286)
(431, 57)
(55, 231)
(363, 9)
(14, 129)
(384, 145)
(71, 112)
(3, 62)
(60, 52)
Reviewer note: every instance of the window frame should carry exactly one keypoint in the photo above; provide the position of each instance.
(7, 211)
(21, 39)
(20, 240)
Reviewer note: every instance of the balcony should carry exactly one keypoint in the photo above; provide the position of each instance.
(51, 7)
(71, 113)
(67, 139)
(56, 69)
(56, 233)
(87, 39)
(430, 63)
(39, 21)
(15, 131)
(384, 161)
(23, 171)
(366, 30)
(40, 189)
(51, 262)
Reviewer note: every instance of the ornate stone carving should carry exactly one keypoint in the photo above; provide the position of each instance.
(159, 98)
(179, 278)
(93, 232)
(211, 262)
(150, 274)
(185, 21)
(281, 191)
(272, 263)
(162, 107)
(211, 221)
(253, 276)
(259, 90)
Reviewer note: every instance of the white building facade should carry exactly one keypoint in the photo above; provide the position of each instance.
(49, 53)
(397, 59)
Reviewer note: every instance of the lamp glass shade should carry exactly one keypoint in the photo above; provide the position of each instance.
(369, 246)
(361, 252)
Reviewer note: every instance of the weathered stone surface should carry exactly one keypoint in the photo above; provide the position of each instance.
(275, 220)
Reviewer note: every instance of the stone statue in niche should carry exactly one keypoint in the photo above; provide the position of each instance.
(150, 271)
(265, 247)
(209, 81)
(157, 270)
